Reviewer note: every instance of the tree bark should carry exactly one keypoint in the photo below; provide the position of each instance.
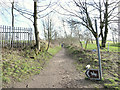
(49, 33)
(80, 41)
(86, 44)
(106, 25)
(48, 42)
(81, 44)
(35, 27)
(64, 29)
(12, 24)
(101, 23)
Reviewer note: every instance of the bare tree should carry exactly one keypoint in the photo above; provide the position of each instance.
(36, 15)
(63, 23)
(12, 12)
(35, 26)
(85, 11)
(115, 33)
(49, 31)
(87, 37)
(3, 4)
(75, 32)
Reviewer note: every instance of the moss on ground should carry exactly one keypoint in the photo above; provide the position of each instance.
(19, 65)
(109, 64)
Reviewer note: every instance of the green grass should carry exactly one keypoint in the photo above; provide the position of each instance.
(90, 46)
(20, 65)
(85, 57)
(112, 47)
(115, 45)
(54, 50)
(110, 86)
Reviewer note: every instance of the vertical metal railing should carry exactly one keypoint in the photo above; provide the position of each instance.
(22, 36)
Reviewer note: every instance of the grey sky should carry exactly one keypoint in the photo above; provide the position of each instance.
(20, 21)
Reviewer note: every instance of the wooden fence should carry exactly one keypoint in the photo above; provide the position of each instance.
(17, 37)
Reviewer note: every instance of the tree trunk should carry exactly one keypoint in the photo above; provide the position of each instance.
(86, 44)
(103, 43)
(48, 44)
(113, 38)
(64, 29)
(104, 39)
(106, 25)
(49, 35)
(81, 44)
(101, 26)
(12, 24)
(35, 26)
(80, 40)
(91, 41)
(48, 39)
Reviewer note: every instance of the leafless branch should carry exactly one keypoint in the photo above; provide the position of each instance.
(23, 11)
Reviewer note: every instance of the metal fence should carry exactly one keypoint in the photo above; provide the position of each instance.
(15, 37)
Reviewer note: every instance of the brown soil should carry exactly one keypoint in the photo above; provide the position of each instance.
(60, 72)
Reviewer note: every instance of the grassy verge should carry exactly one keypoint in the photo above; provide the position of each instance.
(19, 65)
(112, 47)
(109, 61)
(54, 50)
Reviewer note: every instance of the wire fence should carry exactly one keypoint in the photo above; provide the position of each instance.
(16, 37)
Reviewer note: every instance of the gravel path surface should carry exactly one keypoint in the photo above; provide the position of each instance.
(60, 72)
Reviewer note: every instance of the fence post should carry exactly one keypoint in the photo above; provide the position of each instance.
(15, 36)
(20, 36)
(24, 38)
(31, 36)
(3, 37)
(28, 36)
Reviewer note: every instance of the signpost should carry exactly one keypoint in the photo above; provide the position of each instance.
(98, 47)
(94, 73)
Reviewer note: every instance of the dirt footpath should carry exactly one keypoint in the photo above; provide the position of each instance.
(60, 72)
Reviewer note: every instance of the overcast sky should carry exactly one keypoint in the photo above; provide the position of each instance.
(20, 21)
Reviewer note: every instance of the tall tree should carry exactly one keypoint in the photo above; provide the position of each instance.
(12, 11)
(85, 11)
(49, 31)
(36, 15)
(63, 23)
(35, 26)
